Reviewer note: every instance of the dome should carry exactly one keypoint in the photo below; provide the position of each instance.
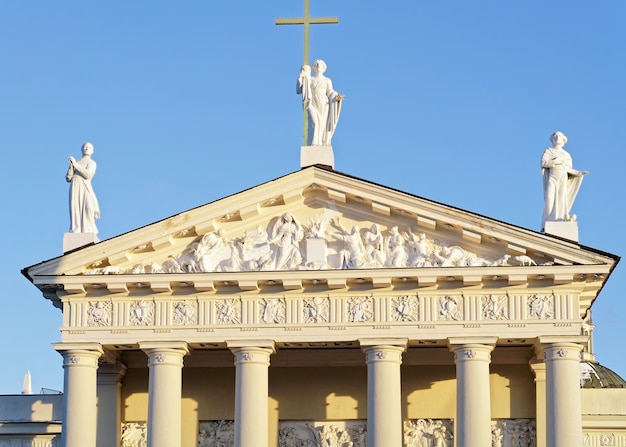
(594, 375)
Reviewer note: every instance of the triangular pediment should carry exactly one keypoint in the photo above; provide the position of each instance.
(320, 220)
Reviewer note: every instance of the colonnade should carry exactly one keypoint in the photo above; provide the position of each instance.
(557, 380)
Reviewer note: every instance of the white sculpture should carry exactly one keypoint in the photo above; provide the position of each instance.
(560, 181)
(322, 102)
(287, 234)
(353, 255)
(84, 209)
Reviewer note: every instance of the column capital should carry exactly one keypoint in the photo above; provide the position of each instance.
(562, 351)
(79, 354)
(395, 342)
(109, 374)
(251, 353)
(545, 340)
(233, 344)
(165, 353)
(538, 367)
(487, 341)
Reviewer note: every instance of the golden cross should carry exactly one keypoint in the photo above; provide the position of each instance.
(307, 20)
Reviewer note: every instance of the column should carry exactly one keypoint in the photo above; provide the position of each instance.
(384, 398)
(165, 360)
(539, 370)
(252, 361)
(109, 390)
(563, 401)
(80, 363)
(473, 398)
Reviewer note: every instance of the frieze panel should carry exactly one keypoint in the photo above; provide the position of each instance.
(216, 433)
(324, 243)
(360, 309)
(184, 312)
(141, 313)
(99, 313)
(273, 310)
(513, 432)
(428, 433)
(322, 434)
(228, 311)
(316, 310)
(134, 434)
(450, 308)
(541, 307)
(471, 311)
(604, 439)
(494, 307)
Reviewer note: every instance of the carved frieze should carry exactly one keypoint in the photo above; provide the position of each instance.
(428, 433)
(513, 432)
(494, 307)
(99, 313)
(273, 310)
(141, 313)
(540, 307)
(283, 244)
(216, 434)
(322, 434)
(360, 309)
(184, 312)
(134, 434)
(404, 308)
(316, 310)
(450, 308)
(255, 312)
(228, 311)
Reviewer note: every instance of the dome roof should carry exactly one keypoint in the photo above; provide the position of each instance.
(594, 375)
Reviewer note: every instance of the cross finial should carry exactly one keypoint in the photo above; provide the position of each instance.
(306, 20)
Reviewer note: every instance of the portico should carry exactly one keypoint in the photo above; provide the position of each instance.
(184, 331)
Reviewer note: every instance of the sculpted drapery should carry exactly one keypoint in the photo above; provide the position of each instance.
(560, 181)
(84, 208)
(322, 102)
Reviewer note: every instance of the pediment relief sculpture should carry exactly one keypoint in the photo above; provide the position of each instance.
(323, 243)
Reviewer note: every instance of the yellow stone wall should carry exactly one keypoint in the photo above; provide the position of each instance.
(327, 393)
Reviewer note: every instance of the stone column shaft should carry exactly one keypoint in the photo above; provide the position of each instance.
(563, 401)
(539, 369)
(473, 399)
(165, 360)
(109, 392)
(80, 364)
(251, 393)
(384, 398)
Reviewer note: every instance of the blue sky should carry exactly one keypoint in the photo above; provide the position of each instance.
(187, 102)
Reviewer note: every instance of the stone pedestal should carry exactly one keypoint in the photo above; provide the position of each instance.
(252, 361)
(316, 253)
(564, 229)
(72, 241)
(384, 398)
(165, 361)
(80, 363)
(317, 155)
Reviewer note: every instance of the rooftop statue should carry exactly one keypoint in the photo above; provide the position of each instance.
(84, 209)
(560, 181)
(321, 101)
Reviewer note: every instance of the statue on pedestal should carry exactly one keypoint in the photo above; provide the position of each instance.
(84, 209)
(560, 181)
(321, 101)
